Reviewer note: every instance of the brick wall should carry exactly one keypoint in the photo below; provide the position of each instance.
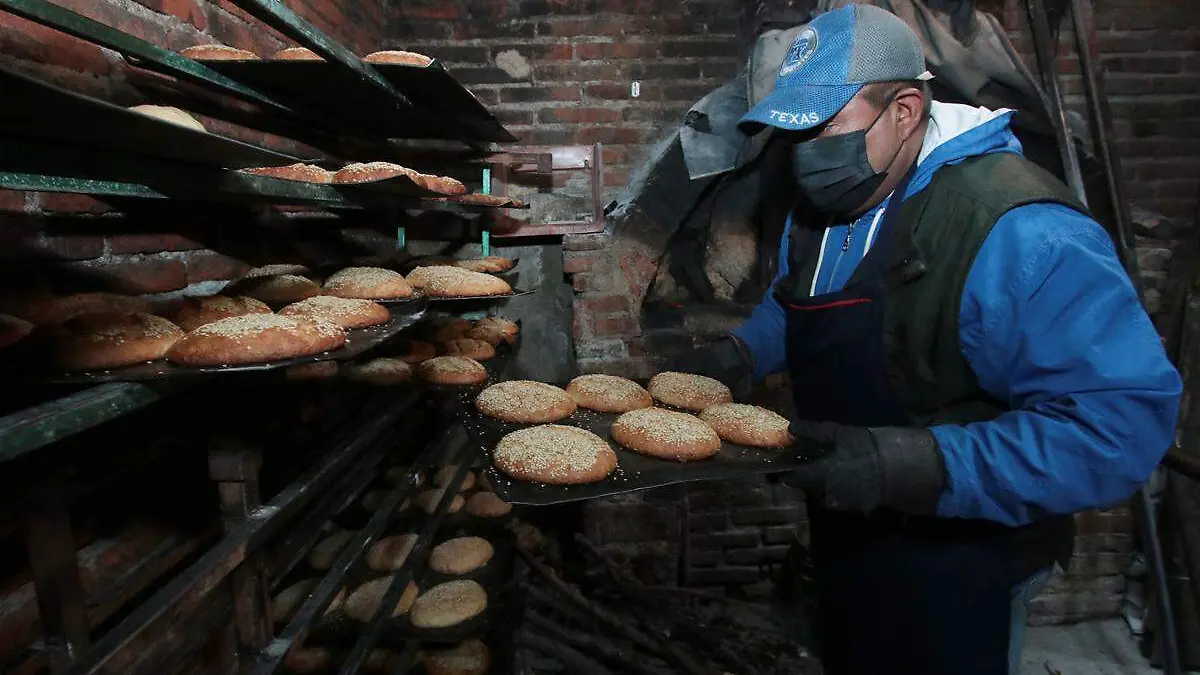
(559, 72)
(155, 259)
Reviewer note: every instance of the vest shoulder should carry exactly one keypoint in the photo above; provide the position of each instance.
(1001, 181)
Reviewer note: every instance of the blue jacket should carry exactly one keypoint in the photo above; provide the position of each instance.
(1048, 318)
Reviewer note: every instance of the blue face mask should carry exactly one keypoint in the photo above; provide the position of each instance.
(835, 173)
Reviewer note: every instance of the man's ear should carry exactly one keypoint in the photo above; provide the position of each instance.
(910, 111)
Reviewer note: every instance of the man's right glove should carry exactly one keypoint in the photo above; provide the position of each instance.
(727, 360)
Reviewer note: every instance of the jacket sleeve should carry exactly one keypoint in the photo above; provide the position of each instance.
(1051, 325)
(765, 332)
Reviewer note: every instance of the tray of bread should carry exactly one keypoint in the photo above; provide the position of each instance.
(449, 282)
(52, 113)
(303, 79)
(602, 435)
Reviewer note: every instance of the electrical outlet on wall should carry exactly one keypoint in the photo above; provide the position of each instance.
(635, 89)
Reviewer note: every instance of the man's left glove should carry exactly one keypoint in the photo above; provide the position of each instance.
(868, 468)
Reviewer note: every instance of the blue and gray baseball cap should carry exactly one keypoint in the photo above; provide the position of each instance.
(830, 61)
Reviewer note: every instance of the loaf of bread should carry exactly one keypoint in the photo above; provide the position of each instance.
(218, 53)
(287, 602)
(390, 553)
(349, 313)
(453, 370)
(608, 393)
(555, 454)
(13, 330)
(364, 601)
(470, 348)
(381, 372)
(449, 604)
(398, 57)
(466, 658)
(275, 270)
(454, 282)
(368, 172)
(748, 425)
(666, 434)
(296, 54)
(304, 173)
(278, 289)
(370, 283)
(322, 555)
(46, 310)
(255, 338)
(196, 312)
(688, 391)
(494, 330)
(170, 114)
(94, 342)
(525, 402)
(460, 556)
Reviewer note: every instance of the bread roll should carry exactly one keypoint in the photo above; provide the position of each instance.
(449, 604)
(428, 501)
(608, 393)
(487, 505)
(453, 370)
(688, 391)
(416, 351)
(370, 283)
(446, 474)
(255, 338)
(381, 372)
(525, 402)
(196, 312)
(472, 349)
(555, 454)
(368, 172)
(399, 58)
(296, 54)
(362, 604)
(218, 53)
(321, 370)
(42, 310)
(279, 289)
(345, 312)
(170, 114)
(390, 553)
(666, 434)
(301, 172)
(275, 270)
(93, 342)
(748, 425)
(467, 658)
(321, 556)
(460, 556)
(455, 282)
(287, 602)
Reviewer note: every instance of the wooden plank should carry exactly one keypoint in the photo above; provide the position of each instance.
(60, 597)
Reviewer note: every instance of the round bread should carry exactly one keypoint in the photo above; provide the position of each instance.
(390, 553)
(308, 660)
(446, 474)
(92, 342)
(453, 370)
(380, 661)
(487, 505)
(494, 330)
(364, 601)
(455, 282)
(255, 338)
(454, 329)
(296, 54)
(369, 283)
(448, 604)
(555, 454)
(417, 351)
(48, 310)
(348, 313)
(748, 425)
(491, 263)
(398, 57)
(218, 53)
(442, 185)
(321, 556)
(525, 402)
(373, 500)
(472, 349)
(287, 602)
(687, 391)
(366, 172)
(279, 289)
(275, 270)
(321, 370)
(428, 500)
(381, 372)
(170, 114)
(666, 434)
(196, 312)
(305, 173)
(608, 393)
(460, 556)
(466, 658)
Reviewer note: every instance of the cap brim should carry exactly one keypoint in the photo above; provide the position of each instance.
(798, 108)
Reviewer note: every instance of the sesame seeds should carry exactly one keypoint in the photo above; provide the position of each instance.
(471, 656)
(550, 450)
(521, 397)
(329, 306)
(453, 364)
(248, 326)
(363, 276)
(448, 604)
(685, 390)
(666, 426)
(751, 415)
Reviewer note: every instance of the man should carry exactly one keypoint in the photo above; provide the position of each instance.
(962, 339)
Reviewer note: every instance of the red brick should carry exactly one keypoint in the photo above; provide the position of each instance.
(573, 264)
(489, 28)
(409, 31)
(12, 201)
(482, 75)
(609, 134)
(562, 51)
(579, 115)
(72, 203)
(587, 26)
(588, 51)
(514, 117)
(700, 48)
(584, 72)
(212, 266)
(150, 243)
(26, 40)
(655, 113)
(615, 324)
(591, 282)
(534, 94)
(606, 304)
(135, 275)
(661, 70)
(431, 9)
(615, 177)
(596, 241)
(187, 11)
(687, 93)
(547, 136)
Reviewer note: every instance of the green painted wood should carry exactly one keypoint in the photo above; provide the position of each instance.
(43, 424)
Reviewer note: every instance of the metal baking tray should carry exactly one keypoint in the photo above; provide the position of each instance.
(403, 186)
(439, 107)
(634, 471)
(358, 341)
(55, 114)
(464, 298)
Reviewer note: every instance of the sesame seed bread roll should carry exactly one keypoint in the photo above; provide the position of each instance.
(490, 264)
(446, 474)
(218, 53)
(454, 329)
(364, 601)
(454, 282)
(454, 370)
(467, 658)
(554, 454)
(170, 114)
(494, 330)
(398, 57)
(460, 556)
(321, 556)
(417, 351)
(287, 602)
(428, 501)
(608, 393)
(525, 402)
(472, 349)
(368, 283)
(279, 289)
(304, 173)
(687, 391)
(390, 553)
(49, 310)
(349, 313)
(196, 312)
(275, 269)
(296, 54)
(366, 172)
(487, 505)
(255, 338)
(449, 604)
(321, 370)
(381, 372)
(308, 660)
(666, 434)
(92, 342)
(748, 425)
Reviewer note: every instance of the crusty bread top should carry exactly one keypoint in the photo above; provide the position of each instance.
(296, 54)
(170, 114)
(218, 53)
(398, 57)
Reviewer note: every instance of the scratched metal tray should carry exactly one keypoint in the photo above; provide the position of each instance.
(358, 341)
(53, 113)
(439, 107)
(634, 471)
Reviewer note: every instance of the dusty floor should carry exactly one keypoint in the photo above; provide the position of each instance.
(1095, 648)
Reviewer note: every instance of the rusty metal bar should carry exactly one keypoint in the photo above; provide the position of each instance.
(60, 596)
(203, 576)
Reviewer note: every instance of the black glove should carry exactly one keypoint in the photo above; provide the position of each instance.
(726, 360)
(892, 467)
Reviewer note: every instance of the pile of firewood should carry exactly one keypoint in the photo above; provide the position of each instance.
(617, 625)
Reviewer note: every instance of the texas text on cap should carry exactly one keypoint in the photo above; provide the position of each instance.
(830, 61)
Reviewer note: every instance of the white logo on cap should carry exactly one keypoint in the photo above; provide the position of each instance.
(802, 50)
(783, 117)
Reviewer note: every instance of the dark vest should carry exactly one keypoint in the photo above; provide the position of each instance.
(939, 233)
